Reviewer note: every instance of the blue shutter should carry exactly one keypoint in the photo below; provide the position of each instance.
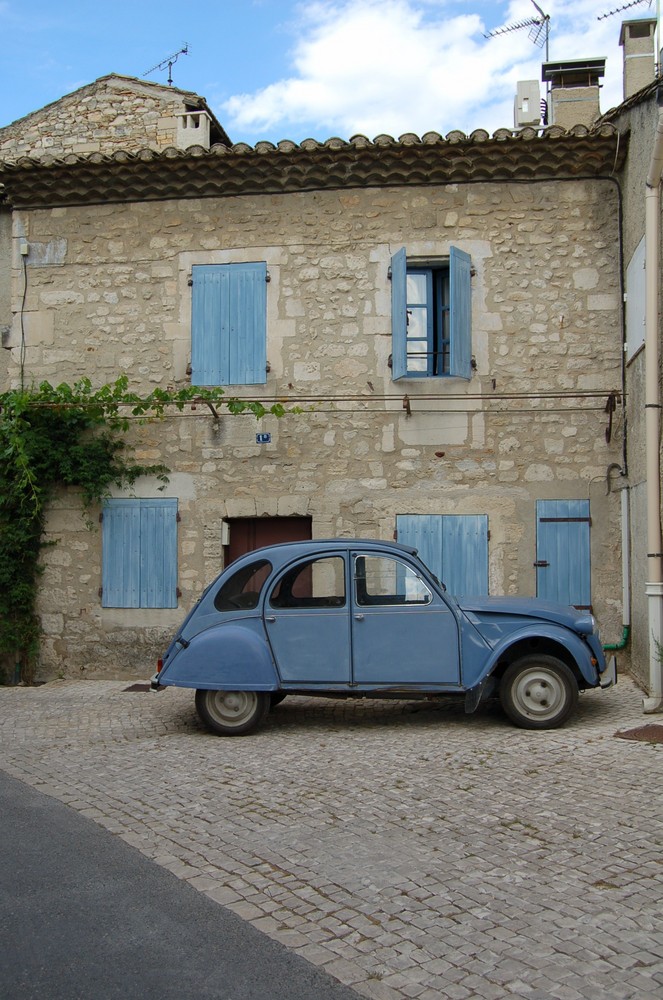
(453, 546)
(563, 544)
(229, 324)
(120, 578)
(158, 553)
(399, 314)
(460, 313)
(139, 554)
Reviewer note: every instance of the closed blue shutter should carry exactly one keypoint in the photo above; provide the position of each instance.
(563, 552)
(139, 554)
(120, 578)
(399, 314)
(453, 546)
(460, 313)
(228, 324)
(158, 553)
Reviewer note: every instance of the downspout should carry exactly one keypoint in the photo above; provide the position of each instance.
(654, 585)
(626, 577)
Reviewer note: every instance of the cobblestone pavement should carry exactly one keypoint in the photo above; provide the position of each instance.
(411, 850)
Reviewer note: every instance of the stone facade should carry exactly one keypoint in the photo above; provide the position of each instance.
(108, 291)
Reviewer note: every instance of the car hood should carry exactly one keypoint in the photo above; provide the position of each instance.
(487, 608)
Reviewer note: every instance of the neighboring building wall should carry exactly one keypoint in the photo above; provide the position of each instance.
(108, 291)
(114, 113)
(641, 121)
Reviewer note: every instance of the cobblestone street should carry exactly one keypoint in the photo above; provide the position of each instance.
(410, 850)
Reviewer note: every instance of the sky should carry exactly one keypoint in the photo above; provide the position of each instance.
(284, 69)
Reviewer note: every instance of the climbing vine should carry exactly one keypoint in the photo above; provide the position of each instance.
(55, 436)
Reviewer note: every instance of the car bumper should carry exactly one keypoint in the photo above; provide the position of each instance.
(609, 676)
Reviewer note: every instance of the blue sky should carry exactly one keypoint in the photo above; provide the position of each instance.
(276, 69)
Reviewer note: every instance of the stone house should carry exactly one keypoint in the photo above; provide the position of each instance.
(446, 311)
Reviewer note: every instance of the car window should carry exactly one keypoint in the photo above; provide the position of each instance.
(383, 580)
(242, 590)
(316, 583)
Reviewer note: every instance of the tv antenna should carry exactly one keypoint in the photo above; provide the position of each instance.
(539, 28)
(169, 61)
(626, 6)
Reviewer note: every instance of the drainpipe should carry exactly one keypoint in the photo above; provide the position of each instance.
(654, 586)
(626, 577)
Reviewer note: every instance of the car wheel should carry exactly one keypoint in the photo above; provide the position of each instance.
(276, 697)
(232, 713)
(538, 692)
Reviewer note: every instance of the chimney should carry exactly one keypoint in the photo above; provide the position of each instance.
(193, 129)
(638, 39)
(527, 104)
(574, 91)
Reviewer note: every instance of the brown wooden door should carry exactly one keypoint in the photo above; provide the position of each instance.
(249, 533)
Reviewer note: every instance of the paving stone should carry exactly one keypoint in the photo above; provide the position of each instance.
(414, 854)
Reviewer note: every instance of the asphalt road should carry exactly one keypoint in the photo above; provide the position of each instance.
(84, 915)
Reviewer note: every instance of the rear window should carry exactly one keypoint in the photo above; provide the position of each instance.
(241, 592)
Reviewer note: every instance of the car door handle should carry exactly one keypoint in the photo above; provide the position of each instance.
(270, 618)
(359, 618)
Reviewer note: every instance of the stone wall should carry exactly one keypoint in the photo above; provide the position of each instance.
(108, 291)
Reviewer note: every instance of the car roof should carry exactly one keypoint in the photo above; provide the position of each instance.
(293, 549)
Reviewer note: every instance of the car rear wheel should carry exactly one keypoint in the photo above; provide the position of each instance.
(232, 713)
(538, 692)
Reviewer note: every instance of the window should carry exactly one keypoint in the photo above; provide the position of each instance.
(453, 546)
(317, 583)
(139, 554)
(431, 316)
(381, 580)
(229, 324)
(242, 591)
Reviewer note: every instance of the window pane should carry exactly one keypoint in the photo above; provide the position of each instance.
(416, 289)
(242, 590)
(381, 580)
(318, 583)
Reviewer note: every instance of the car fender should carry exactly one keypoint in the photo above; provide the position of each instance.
(246, 663)
(578, 650)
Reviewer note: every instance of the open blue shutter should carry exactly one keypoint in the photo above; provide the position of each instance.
(158, 553)
(120, 578)
(399, 314)
(139, 553)
(460, 313)
(453, 546)
(229, 324)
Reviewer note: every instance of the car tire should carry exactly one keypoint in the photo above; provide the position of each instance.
(232, 713)
(538, 692)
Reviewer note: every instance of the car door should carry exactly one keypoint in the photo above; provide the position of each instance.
(307, 622)
(403, 632)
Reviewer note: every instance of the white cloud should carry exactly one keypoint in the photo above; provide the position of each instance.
(396, 66)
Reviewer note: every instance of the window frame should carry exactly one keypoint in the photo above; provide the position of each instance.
(457, 313)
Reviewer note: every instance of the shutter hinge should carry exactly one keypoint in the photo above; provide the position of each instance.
(178, 592)
(178, 517)
(189, 280)
(100, 592)
(101, 517)
(488, 535)
(268, 276)
(389, 273)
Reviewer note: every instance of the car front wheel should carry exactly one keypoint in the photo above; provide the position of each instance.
(538, 692)
(232, 713)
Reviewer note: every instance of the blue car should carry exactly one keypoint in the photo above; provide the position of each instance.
(365, 618)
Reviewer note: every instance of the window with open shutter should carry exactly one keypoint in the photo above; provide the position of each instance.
(453, 546)
(139, 553)
(229, 324)
(431, 316)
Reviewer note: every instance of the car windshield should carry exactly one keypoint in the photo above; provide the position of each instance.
(242, 590)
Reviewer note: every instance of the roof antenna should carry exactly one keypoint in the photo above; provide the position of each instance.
(539, 28)
(169, 61)
(618, 10)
